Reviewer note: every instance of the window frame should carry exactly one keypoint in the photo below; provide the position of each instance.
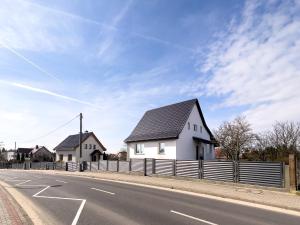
(141, 149)
(94, 147)
(195, 127)
(61, 157)
(159, 148)
(69, 157)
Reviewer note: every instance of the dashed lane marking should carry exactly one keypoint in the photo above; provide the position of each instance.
(193, 218)
(107, 192)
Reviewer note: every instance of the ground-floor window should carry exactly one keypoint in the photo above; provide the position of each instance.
(161, 148)
(70, 157)
(139, 149)
(61, 157)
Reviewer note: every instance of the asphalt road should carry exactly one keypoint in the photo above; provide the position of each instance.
(76, 200)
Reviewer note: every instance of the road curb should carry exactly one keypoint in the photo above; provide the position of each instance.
(26, 205)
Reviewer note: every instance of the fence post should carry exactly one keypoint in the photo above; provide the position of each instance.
(98, 164)
(145, 167)
(130, 165)
(107, 165)
(174, 167)
(199, 169)
(292, 168)
(118, 164)
(153, 166)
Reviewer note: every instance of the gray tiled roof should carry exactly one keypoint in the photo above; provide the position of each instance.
(165, 122)
(72, 141)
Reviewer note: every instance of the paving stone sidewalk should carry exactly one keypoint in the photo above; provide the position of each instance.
(10, 212)
(269, 197)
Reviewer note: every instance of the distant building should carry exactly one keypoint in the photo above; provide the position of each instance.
(69, 149)
(9, 155)
(176, 131)
(38, 153)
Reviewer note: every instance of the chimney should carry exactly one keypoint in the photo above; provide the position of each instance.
(86, 131)
(36, 146)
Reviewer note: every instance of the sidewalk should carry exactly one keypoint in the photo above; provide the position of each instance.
(10, 212)
(249, 193)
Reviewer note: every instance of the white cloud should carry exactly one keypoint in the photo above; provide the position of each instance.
(29, 27)
(47, 92)
(256, 63)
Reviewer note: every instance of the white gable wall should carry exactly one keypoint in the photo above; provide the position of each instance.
(86, 152)
(186, 146)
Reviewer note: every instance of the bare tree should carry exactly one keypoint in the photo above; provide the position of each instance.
(234, 137)
(285, 136)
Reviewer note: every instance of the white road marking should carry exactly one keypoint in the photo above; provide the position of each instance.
(107, 192)
(37, 195)
(62, 181)
(192, 217)
(75, 220)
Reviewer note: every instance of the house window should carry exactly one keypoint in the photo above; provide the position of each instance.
(70, 157)
(161, 148)
(189, 125)
(61, 157)
(200, 129)
(139, 149)
(90, 146)
(94, 146)
(195, 127)
(85, 146)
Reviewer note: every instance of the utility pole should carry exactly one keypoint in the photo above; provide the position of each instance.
(80, 136)
(15, 145)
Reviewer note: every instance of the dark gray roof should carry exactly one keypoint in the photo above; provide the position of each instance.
(24, 150)
(165, 122)
(72, 141)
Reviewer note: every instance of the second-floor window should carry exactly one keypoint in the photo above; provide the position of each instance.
(189, 125)
(200, 129)
(85, 146)
(139, 149)
(90, 146)
(94, 146)
(195, 127)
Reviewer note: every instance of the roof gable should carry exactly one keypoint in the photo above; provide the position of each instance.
(165, 122)
(72, 141)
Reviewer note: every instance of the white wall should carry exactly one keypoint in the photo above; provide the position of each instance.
(9, 155)
(65, 154)
(151, 150)
(186, 146)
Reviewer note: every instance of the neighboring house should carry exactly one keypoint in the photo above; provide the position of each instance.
(41, 153)
(9, 155)
(68, 149)
(38, 153)
(176, 131)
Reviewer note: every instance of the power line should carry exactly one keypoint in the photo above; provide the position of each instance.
(52, 131)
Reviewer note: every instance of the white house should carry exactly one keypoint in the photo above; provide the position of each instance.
(9, 155)
(176, 131)
(69, 149)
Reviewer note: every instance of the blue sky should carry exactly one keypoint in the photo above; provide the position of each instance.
(113, 60)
